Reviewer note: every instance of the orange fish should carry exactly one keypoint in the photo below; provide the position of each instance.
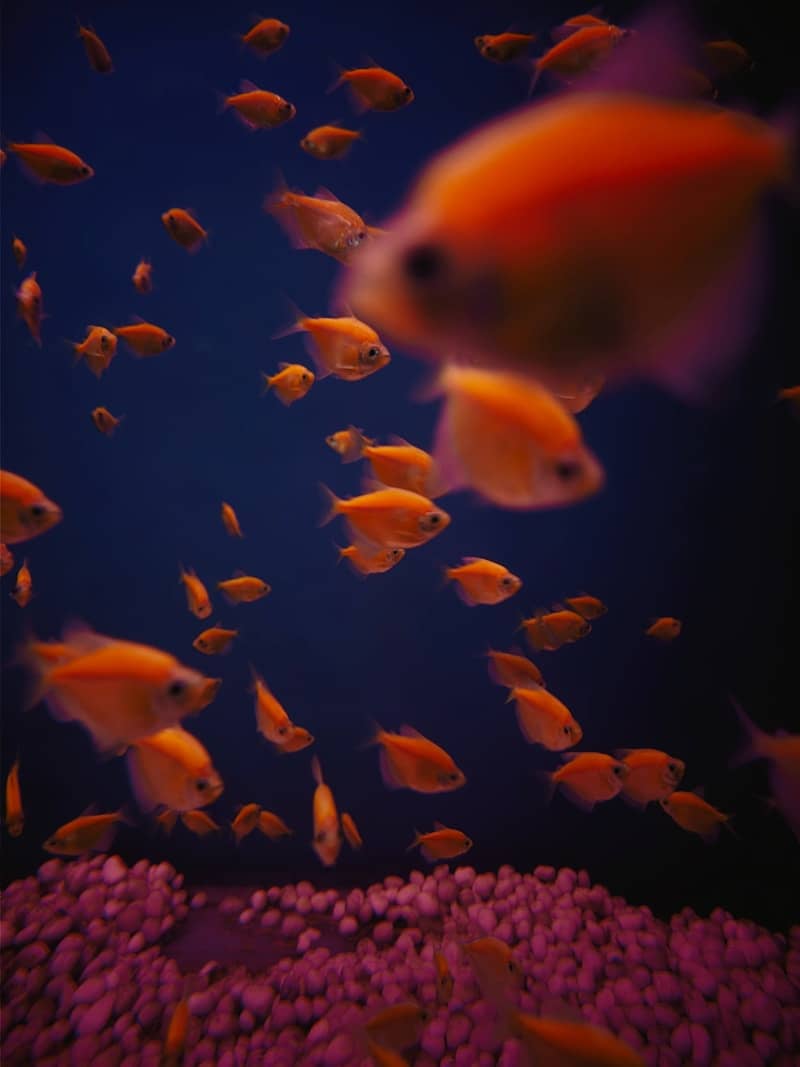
(23, 589)
(327, 841)
(246, 821)
(569, 1044)
(577, 22)
(145, 339)
(551, 631)
(243, 588)
(175, 1041)
(403, 466)
(344, 347)
(172, 768)
(329, 142)
(371, 561)
(259, 109)
(291, 383)
(579, 52)
(480, 581)
(197, 598)
(348, 443)
(652, 775)
(143, 276)
(782, 752)
(576, 396)
(514, 671)
(96, 51)
(444, 978)
(589, 777)
(726, 58)
(398, 1026)
(49, 162)
(25, 511)
(15, 816)
(199, 823)
(391, 518)
(272, 719)
(166, 820)
(375, 89)
(322, 222)
(6, 559)
(230, 521)
(691, 812)
(442, 843)
(503, 47)
(97, 349)
(298, 739)
(20, 250)
(588, 607)
(665, 629)
(408, 760)
(791, 394)
(3, 158)
(29, 306)
(214, 641)
(497, 972)
(88, 833)
(105, 422)
(544, 720)
(266, 36)
(351, 833)
(272, 825)
(184, 228)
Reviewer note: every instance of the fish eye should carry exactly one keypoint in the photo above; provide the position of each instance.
(452, 777)
(566, 470)
(490, 51)
(568, 730)
(38, 511)
(168, 341)
(85, 171)
(434, 518)
(176, 689)
(372, 353)
(618, 770)
(424, 262)
(511, 966)
(201, 785)
(405, 92)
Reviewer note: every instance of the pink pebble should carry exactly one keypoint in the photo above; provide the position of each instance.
(339, 1051)
(348, 926)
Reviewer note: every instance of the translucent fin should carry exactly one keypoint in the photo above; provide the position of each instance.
(390, 779)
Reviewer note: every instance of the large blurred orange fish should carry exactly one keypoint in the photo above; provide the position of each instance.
(49, 162)
(553, 1042)
(782, 752)
(25, 511)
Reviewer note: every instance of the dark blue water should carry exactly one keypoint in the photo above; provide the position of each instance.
(698, 519)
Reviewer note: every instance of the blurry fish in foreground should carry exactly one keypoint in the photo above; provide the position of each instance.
(374, 88)
(105, 422)
(166, 820)
(391, 518)
(243, 588)
(408, 760)
(329, 142)
(579, 52)
(266, 36)
(691, 812)
(175, 1040)
(577, 22)
(444, 978)
(782, 751)
(291, 383)
(567, 1043)
(96, 52)
(513, 670)
(504, 47)
(245, 821)
(547, 632)
(20, 250)
(385, 1057)
(197, 599)
(506, 437)
(14, 814)
(350, 830)
(143, 276)
(344, 347)
(726, 58)
(48, 162)
(199, 823)
(327, 841)
(25, 511)
(664, 629)
(230, 521)
(184, 228)
(366, 561)
(791, 396)
(578, 395)
(544, 719)
(23, 587)
(88, 833)
(652, 775)
(29, 306)
(214, 641)
(98, 349)
(348, 443)
(563, 241)
(6, 559)
(481, 581)
(272, 826)
(442, 843)
(322, 222)
(145, 338)
(171, 768)
(498, 974)
(587, 778)
(259, 109)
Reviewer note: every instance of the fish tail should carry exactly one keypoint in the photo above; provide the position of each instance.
(296, 324)
(339, 79)
(755, 743)
(376, 733)
(316, 771)
(416, 841)
(266, 383)
(536, 72)
(547, 783)
(334, 505)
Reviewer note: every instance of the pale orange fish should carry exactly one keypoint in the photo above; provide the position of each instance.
(589, 777)
(442, 843)
(172, 768)
(105, 422)
(329, 142)
(509, 439)
(243, 588)
(481, 581)
(20, 250)
(375, 89)
(408, 760)
(48, 162)
(327, 841)
(403, 466)
(350, 830)
(504, 47)
(344, 347)
(166, 820)
(29, 306)
(366, 561)
(298, 739)
(144, 338)
(230, 521)
(291, 383)
(25, 511)
(588, 607)
(272, 720)
(498, 974)
(549, 631)
(398, 1026)
(15, 815)
(184, 228)
(199, 823)
(691, 812)
(391, 518)
(246, 821)
(348, 443)
(98, 349)
(664, 629)
(322, 222)
(88, 833)
(23, 589)
(214, 641)
(544, 719)
(562, 1042)
(272, 825)
(580, 52)
(96, 52)
(513, 670)
(197, 598)
(444, 978)
(577, 22)
(175, 1041)
(266, 36)
(6, 560)
(782, 751)
(259, 109)
(652, 775)
(143, 276)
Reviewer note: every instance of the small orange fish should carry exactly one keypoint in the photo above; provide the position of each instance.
(691, 812)
(184, 228)
(20, 250)
(15, 815)
(98, 349)
(272, 825)
(588, 607)
(580, 52)
(664, 629)
(197, 598)
(348, 443)
(398, 1026)
(166, 820)
(243, 588)
(298, 739)
(344, 347)
(498, 974)
(544, 719)
(652, 775)
(266, 36)
(144, 338)
(444, 978)
(327, 841)
(199, 823)
(329, 142)
(246, 821)
(442, 843)
(291, 383)
(782, 752)
(25, 511)
(49, 162)
(371, 561)
(175, 1041)
(726, 58)
(96, 51)
(88, 833)
(143, 276)
(480, 581)
(792, 395)
(351, 833)
(513, 670)
(408, 760)
(391, 518)
(589, 777)
(172, 768)
(259, 109)
(29, 306)
(552, 630)
(375, 89)
(23, 589)
(503, 47)
(6, 560)
(569, 1044)
(3, 158)
(215, 641)
(322, 222)
(272, 719)
(577, 22)
(230, 521)
(105, 422)
(403, 466)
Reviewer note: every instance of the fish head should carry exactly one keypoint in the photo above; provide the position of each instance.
(432, 522)
(674, 771)
(509, 584)
(203, 789)
(565, 477)
(39, 516)
(449, 779)
(372, 356)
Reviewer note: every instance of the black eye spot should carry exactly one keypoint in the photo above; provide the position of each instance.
(618, 770)
(405, 92)
(201, 785)
(176, 688)
(434, 519)
(567, 470)
(168, 341)
(424, 263)
(85, 171)
(567, 730)
(491, 52)
(453, 777)
(37, 511)
(511, 966)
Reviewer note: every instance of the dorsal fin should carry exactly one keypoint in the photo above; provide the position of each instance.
(409, 731)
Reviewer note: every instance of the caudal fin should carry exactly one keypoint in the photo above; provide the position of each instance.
(333, 505)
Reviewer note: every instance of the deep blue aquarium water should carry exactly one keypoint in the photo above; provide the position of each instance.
(698, 518)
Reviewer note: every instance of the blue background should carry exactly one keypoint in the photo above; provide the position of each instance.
(696, 519)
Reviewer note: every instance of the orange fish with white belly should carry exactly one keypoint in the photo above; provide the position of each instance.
(322, 222)
(327, 841)
(652, 775)
(197, 599)
(23, 588)
(172, 768)
(25, 511)
(375, 88)
(366, 561)
(348, 443)
(184, 228)
(98, 349)
(244, 588)
(48, 162)
(481, 581)
(589, 777)
(442, 843)
(291, 383)
(544, 719)
(259, 109)
(561, 241)
(29, 306)
(145, 338)
(344, 347)
(392, 518)
(409, 760)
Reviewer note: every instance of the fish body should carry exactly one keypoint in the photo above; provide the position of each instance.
(199, 823)
(184, 228)
(562, 1043)
(544, 719)
(581, 51)
(197, 599)
(327, 841)
(376, 89)
(350, 830)
(88, 833)
(20, 250)
(145, 339)
(6, 559)
(366, 561)
(782, 753)
(96, 52)
(390, 518)
(98, 349)
(481, 581)
(172, 768)
(246, 821)
(329, 142)
(504, 47)
(321, 222)
(29, 306)
(349, 443)
(25, 511)
(513, 670)
(693, 813)
(230, 521)
(652, 775)
(214, 641)
(105, 422)
(547, 632)
(272, 825)
(49, 162)
(260, 109)
(408, 760)
(344, 347)
(272, 719)
(291, 383)
(442, 843)
(15, 815)
(142, 276)
(403, 466)
(266, 36)
(588, 778)
(244, 588)
(23, 587)
(665, 629)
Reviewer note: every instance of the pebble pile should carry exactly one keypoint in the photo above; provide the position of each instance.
(88, 976)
